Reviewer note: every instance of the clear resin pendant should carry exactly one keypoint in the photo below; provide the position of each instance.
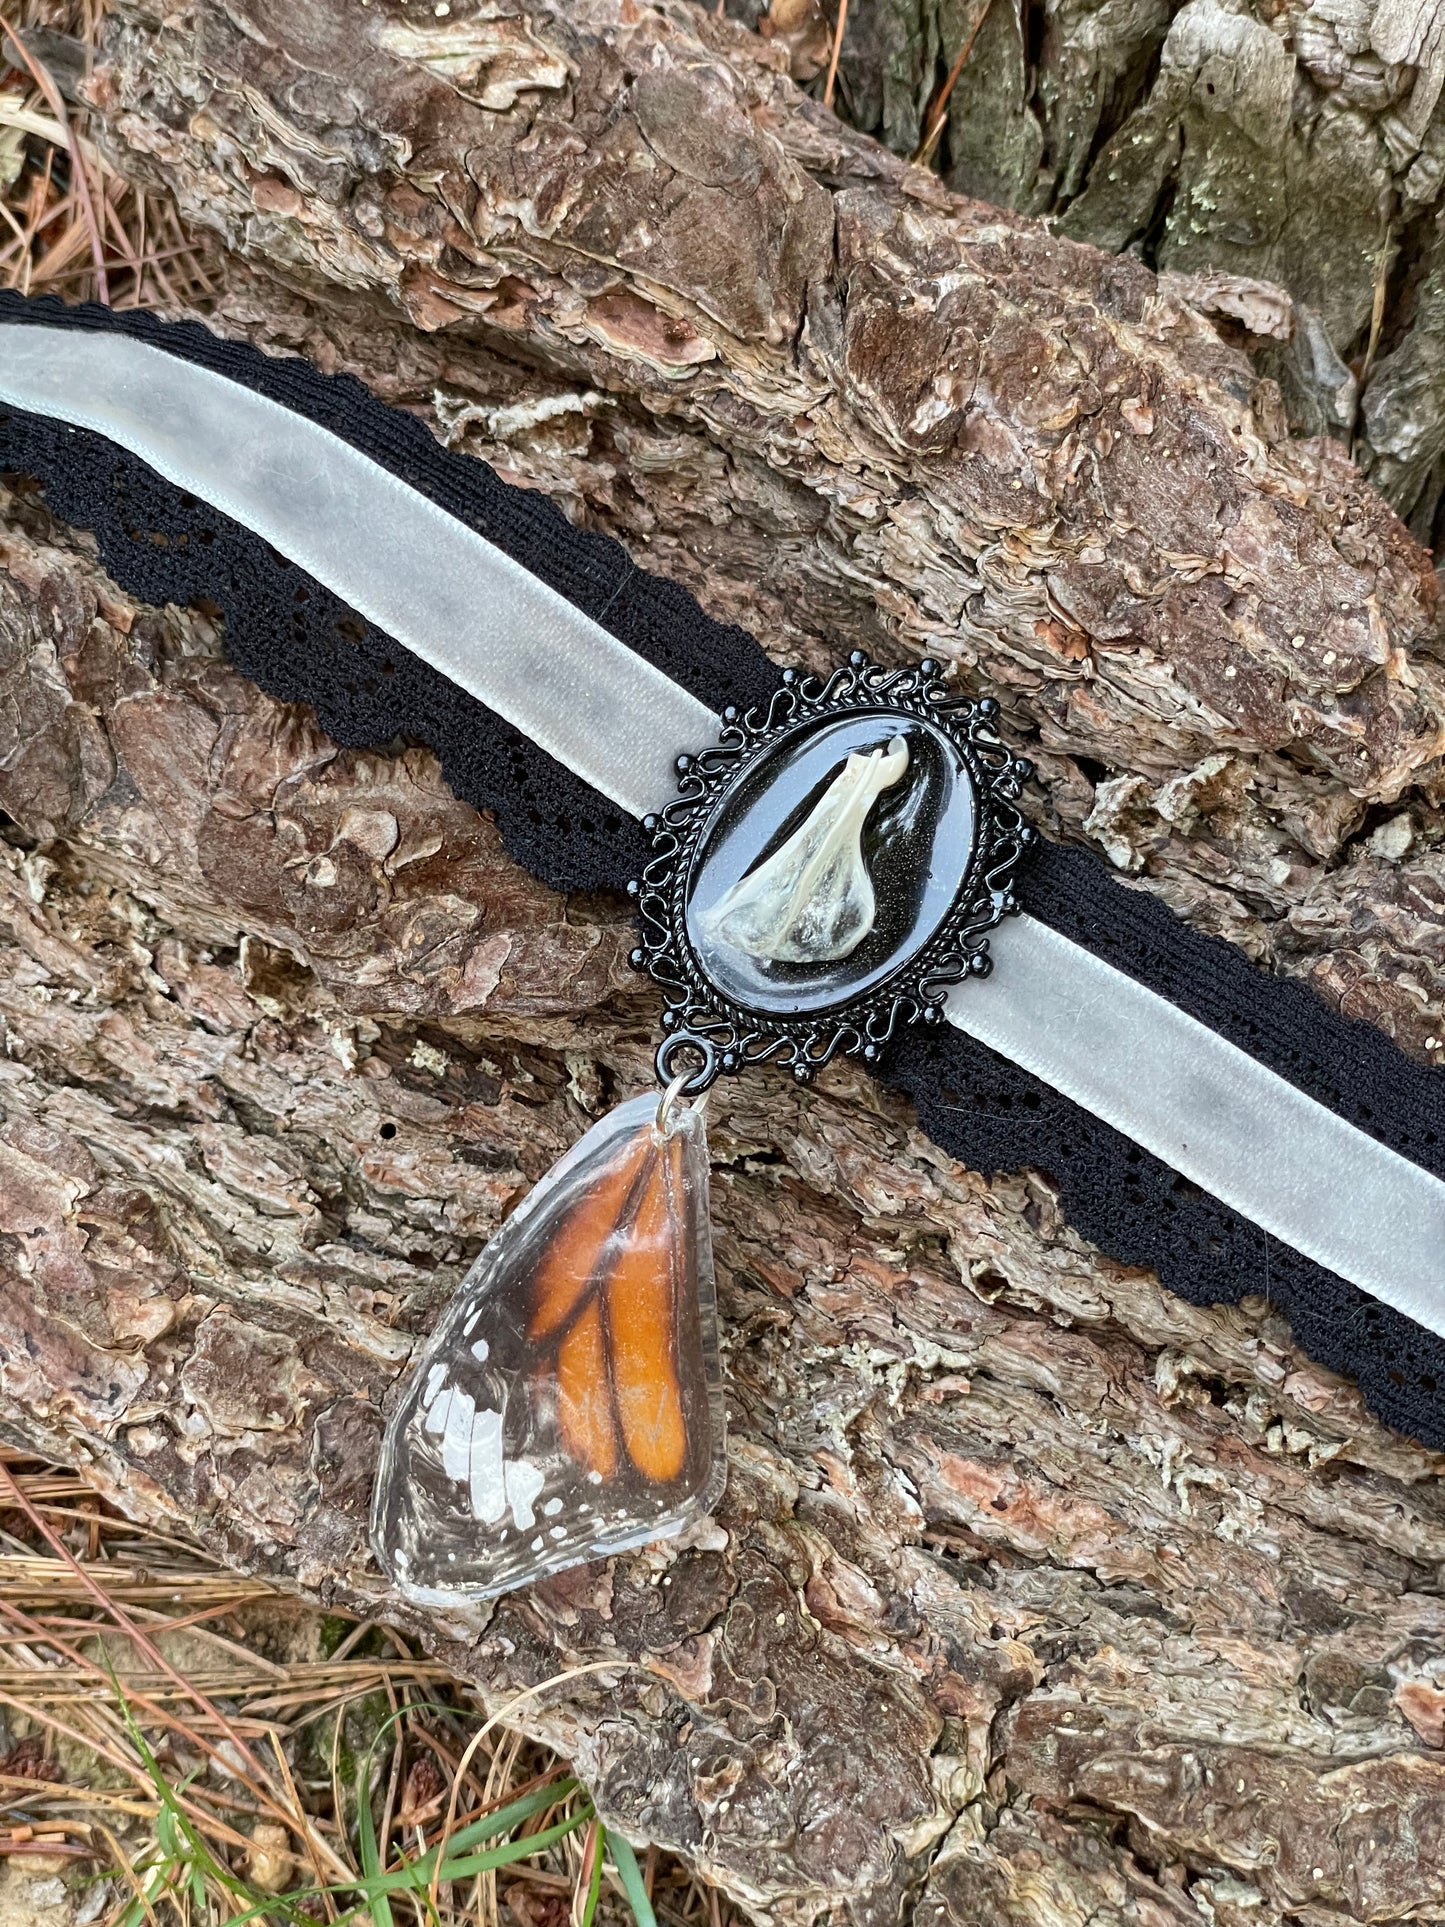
(569, 1404)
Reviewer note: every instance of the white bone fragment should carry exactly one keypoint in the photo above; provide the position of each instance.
(812, 901)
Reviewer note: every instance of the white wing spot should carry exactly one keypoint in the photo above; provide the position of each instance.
(524, 1482)
(457, 1437)
(552, 1508)
(487, 1474)
(481, 1351)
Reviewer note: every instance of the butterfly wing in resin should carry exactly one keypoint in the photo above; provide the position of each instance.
(569, 1403)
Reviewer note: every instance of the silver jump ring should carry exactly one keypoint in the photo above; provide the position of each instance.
(669, 1098)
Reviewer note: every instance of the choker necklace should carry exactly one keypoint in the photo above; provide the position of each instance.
(822, 867)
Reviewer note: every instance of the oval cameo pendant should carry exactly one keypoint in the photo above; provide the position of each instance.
(829, 870)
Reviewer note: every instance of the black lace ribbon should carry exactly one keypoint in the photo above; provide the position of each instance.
(301, 644)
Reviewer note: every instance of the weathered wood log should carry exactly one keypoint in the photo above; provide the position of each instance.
(1037, 1593)
(845, 407)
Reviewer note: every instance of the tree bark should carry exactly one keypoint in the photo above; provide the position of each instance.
(1036, 1593)
(1303, 145)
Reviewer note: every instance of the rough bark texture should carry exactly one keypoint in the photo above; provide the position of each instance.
(1037, 1595)
(646, 274)
(1303, 144)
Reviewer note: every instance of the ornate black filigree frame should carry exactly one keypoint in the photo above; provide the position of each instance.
(727, 1036)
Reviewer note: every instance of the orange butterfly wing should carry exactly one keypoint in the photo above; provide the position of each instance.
(641, 1308)
(607, 1284)
(578, 1246)
(584, 1397)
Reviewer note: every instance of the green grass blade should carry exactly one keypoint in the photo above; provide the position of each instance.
(150, 1880)
(630, 1874)
(504, 1819)
(289, 1906)
(189, 1862)
(416, 1886)
(373, 1878)
(594, 1884)
(374, 1885)
(474, 1863)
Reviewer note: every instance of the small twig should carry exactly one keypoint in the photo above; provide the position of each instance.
(313, 1846)
(938, 113)
(117, 228)
(199, 1618)
(77, 1796)
(1385, 261)
(587, 1871)
(27, 121)
(129, 266)
(127, 1873)
(20, 235)
(353, 1638)
(837, 50)
(383, 1832)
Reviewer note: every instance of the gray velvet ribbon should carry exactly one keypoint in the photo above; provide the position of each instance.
(1127, 1055)
(449, 595)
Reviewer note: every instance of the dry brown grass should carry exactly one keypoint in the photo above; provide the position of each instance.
(178, 1743)
(69, 225)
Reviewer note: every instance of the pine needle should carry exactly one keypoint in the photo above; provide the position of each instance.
(69, 224)
(166, 1795)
